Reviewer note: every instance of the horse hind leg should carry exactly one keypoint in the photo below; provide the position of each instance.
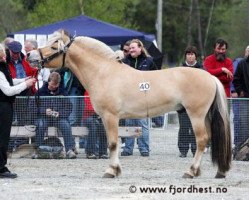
(111, 126)
(201, 136)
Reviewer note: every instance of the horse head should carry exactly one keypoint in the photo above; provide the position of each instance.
(53, 54)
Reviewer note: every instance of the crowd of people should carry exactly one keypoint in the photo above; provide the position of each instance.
(18, 77)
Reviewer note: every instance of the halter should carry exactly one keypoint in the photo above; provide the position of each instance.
(49, 58)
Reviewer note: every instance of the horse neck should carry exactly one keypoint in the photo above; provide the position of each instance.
(88, 67)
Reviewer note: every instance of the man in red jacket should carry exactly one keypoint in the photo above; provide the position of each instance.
(18, 66)
(219, 65)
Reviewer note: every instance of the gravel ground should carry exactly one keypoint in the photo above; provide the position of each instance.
(81, 178)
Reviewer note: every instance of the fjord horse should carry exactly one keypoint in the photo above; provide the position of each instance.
(118, 91)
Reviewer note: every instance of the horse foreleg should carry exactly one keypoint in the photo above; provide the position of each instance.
(111, 126)
(201, 136)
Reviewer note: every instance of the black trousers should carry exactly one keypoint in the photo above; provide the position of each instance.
(6, 115)
(186, 137)
(243, 133)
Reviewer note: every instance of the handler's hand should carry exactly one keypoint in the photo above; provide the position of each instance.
(29, 82)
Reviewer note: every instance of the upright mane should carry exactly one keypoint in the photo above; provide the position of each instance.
(97, 46)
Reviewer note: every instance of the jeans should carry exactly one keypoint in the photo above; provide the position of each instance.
(77, 106)
(62, 124)
(142, 141)
(96, 140)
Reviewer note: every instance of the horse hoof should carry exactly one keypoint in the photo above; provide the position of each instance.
(187, 176)
(107, 175)
(219, 175)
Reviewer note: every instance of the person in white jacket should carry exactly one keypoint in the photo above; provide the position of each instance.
(8, 89)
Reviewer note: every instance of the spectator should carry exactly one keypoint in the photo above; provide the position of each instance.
(126, 48)
(6, 41)
(30, 44)
(7, 97)
(186, 136)
(43, 73)
(241, 85)
(54, 111)
(138, 58)
(75, 89)
(219, 65)
(96, 145)
(235, 103)
(19, 68)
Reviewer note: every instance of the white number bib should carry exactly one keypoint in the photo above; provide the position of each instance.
(144, 86)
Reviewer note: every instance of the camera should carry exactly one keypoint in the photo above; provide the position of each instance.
(54, 114)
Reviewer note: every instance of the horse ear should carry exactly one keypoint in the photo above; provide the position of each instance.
(65, 32)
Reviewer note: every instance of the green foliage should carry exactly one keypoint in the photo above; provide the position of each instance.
(12, 16)
(29, 4)
(50, 11)
(238, 31)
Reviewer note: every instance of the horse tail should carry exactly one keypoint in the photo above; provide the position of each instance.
(220, 129)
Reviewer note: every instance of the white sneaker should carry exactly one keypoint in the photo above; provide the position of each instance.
(34, 156)
(123, 145)
(70, 154)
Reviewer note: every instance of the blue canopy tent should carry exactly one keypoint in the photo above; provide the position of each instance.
(86, 26)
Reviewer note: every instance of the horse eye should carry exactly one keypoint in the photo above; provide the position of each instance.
(54, 48)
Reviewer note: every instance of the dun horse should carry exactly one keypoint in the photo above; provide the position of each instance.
(118, 91)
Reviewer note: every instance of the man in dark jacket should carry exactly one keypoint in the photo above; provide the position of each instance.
(241, 85)
(54, 111)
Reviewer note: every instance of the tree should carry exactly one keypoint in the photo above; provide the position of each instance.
(238, 28)
(12, 16)
(49, 11)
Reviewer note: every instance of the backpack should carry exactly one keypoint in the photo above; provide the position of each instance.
(242, 153)
(52, 149)
(47, 152)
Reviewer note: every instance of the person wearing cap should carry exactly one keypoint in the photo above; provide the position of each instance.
(186, 136)
(18, 66)
(7, 97)
(241, 86)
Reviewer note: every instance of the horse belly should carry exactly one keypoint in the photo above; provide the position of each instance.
(148, 106)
